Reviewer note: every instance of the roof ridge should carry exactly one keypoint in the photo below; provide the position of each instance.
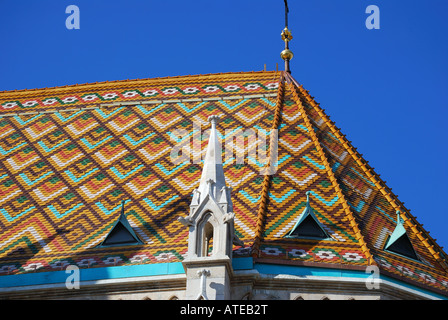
(365, 249)
(261, 214)
(379, 183)
(107, 82)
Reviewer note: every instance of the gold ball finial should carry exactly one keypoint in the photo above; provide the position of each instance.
(286, 54)
(286, 36)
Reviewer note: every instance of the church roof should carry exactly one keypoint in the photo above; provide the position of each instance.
(70, 155)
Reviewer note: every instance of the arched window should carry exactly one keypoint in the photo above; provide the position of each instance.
(208, 240)
(206, 231)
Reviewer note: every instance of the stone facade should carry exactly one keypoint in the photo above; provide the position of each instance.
(240, 285)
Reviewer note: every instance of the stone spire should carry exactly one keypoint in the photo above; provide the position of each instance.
(212, 179)
(211, 207)
(211, 229)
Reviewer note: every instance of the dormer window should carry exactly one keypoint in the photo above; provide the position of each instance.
(121, 233)
(308, 226)
(399, 242)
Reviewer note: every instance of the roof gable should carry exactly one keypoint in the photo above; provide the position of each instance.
(399, 242)
(121, 233)
(308, 226)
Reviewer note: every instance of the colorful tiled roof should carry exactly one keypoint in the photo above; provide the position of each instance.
(70, 155)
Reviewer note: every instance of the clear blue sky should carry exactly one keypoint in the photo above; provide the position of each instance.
(386, 89)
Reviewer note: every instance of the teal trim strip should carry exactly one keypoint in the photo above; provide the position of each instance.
(324, 272)
(308, 271)
(52, 277)
(243, 263)
(92, 274)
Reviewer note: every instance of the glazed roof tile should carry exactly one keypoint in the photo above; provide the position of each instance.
(69, 156)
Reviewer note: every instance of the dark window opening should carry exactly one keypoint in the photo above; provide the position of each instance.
(403, 247)
(119, 236)
(308, 228)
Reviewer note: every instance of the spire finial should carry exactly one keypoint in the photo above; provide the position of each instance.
(213, 120)
(286, 54)
(122, 206)
(213, 169)
(399, 220)
(308, 196)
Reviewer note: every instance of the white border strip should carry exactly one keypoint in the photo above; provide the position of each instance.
(148, 102)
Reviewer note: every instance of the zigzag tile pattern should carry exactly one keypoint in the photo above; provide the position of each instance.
(373, 211)
(67, 161)
(64, 174)
(303, 171)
